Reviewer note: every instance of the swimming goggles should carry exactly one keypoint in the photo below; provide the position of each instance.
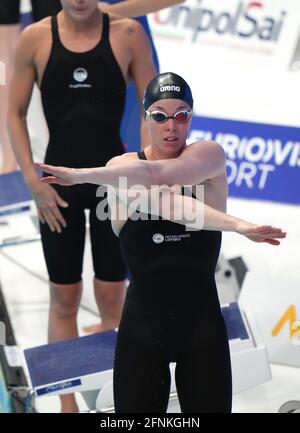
(161, 117)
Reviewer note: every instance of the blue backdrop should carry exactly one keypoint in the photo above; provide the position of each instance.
(263, 161)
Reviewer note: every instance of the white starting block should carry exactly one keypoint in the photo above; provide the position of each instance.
(18, 215)
(247, 347)
(85, 364)
(249, 359)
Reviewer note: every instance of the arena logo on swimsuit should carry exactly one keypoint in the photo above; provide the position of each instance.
(244, 22)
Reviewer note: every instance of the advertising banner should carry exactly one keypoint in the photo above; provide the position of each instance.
(263, 161)
(241, 59)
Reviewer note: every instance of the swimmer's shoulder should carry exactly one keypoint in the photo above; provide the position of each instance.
(128, 27)
(207, 147)
(211, 153)
(36, 30)
(123, 159)
(34, 35)
(200, 144)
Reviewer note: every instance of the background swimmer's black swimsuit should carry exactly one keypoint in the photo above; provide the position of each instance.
(83, 96)
(10, 10)
(171, 314)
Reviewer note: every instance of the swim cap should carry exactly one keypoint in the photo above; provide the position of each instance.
(167, 86)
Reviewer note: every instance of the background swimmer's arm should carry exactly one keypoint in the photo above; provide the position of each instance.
(46, 198)
(137, 8)
(142, 68)
(21, 86)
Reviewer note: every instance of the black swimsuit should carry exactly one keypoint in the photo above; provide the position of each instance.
(171, 314)
(83, 96)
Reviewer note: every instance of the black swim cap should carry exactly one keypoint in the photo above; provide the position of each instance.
(167, 86)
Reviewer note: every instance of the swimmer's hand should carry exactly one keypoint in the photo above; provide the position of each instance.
(61, 175)
(48, 203)
(260, 233)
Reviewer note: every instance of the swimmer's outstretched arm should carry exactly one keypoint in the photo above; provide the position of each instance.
(199, 162)
(135, 172)
(216, 220)
(194, 214)
(194, 210)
